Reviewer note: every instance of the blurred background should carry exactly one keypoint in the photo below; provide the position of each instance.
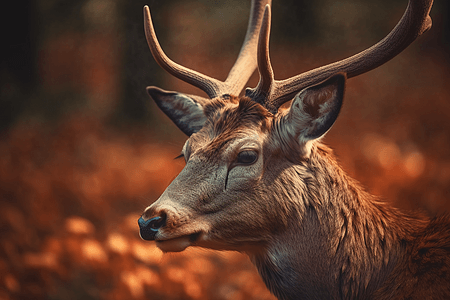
(83, 150)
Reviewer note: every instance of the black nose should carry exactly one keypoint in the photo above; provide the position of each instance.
(149, 228)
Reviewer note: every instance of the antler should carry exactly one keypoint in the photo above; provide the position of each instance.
(243, 68)
(273, 93)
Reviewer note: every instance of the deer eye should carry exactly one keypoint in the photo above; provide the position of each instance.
(247, 157)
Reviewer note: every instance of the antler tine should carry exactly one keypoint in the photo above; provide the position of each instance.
(243, 68)
(266, 76)
(246, 62)
(414, 22)
(212, 87)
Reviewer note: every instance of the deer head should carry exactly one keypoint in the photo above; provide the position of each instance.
(248, 161)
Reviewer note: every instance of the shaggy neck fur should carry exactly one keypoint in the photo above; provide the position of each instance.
(339, 242)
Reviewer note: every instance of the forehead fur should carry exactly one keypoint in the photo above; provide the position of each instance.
(234, 114)
(228, 119)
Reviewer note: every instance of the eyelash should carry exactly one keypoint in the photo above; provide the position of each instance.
(179, 156)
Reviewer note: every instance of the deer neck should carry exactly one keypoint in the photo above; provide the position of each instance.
(337, 236)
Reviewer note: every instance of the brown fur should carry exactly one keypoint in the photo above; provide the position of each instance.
(380, 251)
(377, 251)
(224, 123)
(310, 229)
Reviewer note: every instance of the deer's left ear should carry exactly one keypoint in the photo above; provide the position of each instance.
(315, 109)
(186, 111)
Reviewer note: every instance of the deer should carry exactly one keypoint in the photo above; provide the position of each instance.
(259, 180)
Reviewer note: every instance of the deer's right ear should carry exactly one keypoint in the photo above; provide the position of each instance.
(315, 109)
(186, 111)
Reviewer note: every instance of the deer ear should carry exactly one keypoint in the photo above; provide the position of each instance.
(315, 109)
(186, 111)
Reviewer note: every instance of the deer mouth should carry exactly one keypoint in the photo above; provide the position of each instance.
(177, 244)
